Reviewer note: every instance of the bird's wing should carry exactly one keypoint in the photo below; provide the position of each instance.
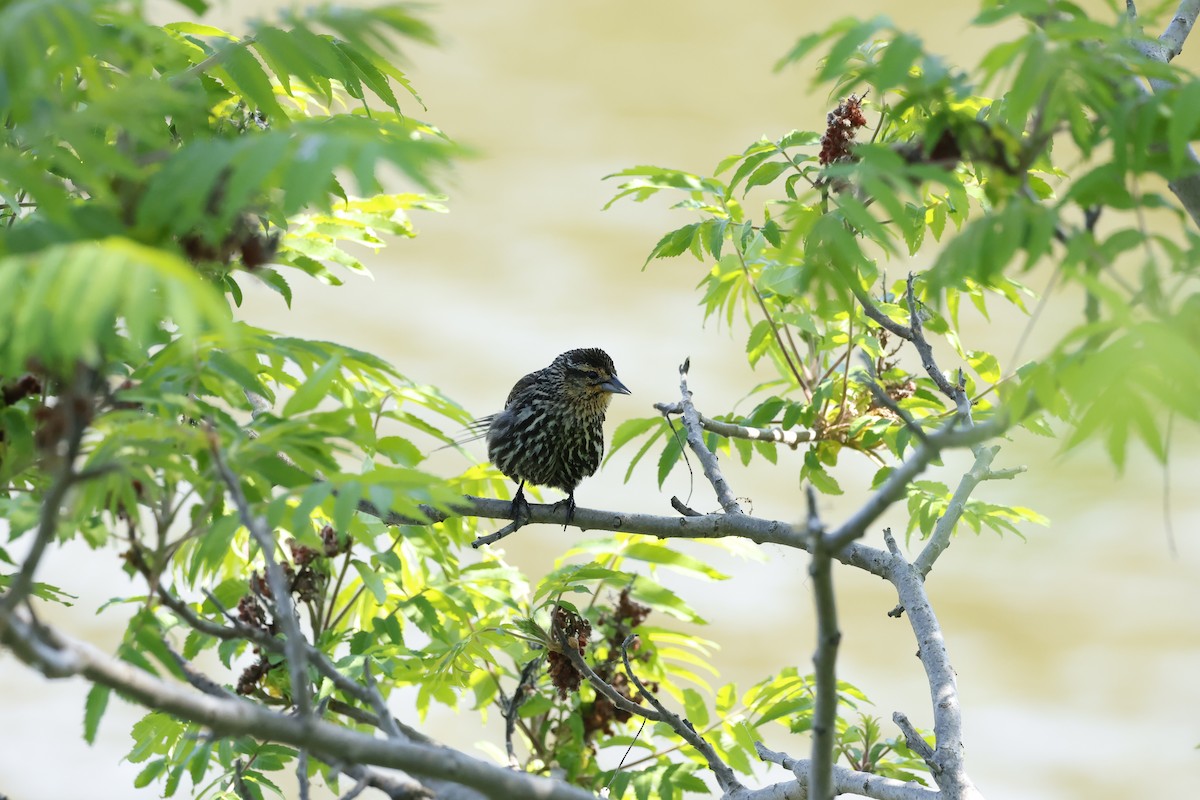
(522, 385)
(478, 429)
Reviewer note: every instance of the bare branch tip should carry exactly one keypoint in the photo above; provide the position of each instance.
(890, 541)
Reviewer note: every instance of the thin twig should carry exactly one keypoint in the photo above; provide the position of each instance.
(924, 349)
(885, 400)
(302, 773)
(731, 430)
(367, 694)
(794, 366)
(683, 508)
(824, 718)
(508, 529)
(695, 439)
(914, 740)
(599, 684)
(513, 704)
(725, 777)
(897, 482)
(281, 593)
(71, 403)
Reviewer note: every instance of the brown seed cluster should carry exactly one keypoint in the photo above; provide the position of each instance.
(307, 578)
(15, 391)
(840, 127)
(562, 672)
(616, 625)
(246, 240)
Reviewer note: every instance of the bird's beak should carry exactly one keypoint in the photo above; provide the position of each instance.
(615, 386)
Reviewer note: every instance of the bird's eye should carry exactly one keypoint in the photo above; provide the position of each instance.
(586, 375)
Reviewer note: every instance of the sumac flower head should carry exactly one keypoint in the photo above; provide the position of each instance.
(840, 126)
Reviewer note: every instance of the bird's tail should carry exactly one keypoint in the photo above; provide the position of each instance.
(475, 430)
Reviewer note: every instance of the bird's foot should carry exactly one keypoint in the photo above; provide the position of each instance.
(520, 508)
(569, 502)
(520, 516)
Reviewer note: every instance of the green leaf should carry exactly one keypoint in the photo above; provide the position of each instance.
(313, 390)
(94, 707)
(245, 76)
(855, 36)
(695, 708)
(670, 454)
(654, 553)
(675, 243)
(760, 341)
(631, 429)
(985, 365)
(371, 580)
(96, 300)
(766, 173)
(714, 235)
(900, 56)
(1184, 125)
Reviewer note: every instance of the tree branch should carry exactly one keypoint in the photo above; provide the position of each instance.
(824, 718)
(725, 777)
(599, 684)
(845, 781)
(896, 484)
(71, 405)
(695, 439)
(1165, 49)
(940, 539)
(58, 656)
(732, 430)
(946, 762)
(295, 645)
(1180, 26)
(367, 694)
(512, 705)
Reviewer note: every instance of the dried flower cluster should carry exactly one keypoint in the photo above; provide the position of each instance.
(617, 624)
(841, 124)
(307, 578)
(578, 631)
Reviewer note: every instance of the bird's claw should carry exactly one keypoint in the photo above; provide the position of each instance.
(569, 502)
(520, 509)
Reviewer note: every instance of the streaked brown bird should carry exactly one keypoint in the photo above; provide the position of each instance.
(551, 431)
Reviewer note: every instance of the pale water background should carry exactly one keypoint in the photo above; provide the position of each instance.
(1077, 651)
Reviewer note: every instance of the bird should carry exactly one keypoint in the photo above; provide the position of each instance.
(551, 431)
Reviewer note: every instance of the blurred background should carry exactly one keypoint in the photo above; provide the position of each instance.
(1077, 650)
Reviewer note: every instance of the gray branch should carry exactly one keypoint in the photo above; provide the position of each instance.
(946, 761)
(824, 718)
(684, 728)
(58, 656)
(294, 642)
(845, 781)
(602, 686)
(366, 692)
(940, 539)
(695, 439)
(896, 484)
(22, 583)
(1165, 49)
(732, 430)
(655, 713)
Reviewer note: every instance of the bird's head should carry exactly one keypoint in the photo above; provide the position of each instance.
(589, 376)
